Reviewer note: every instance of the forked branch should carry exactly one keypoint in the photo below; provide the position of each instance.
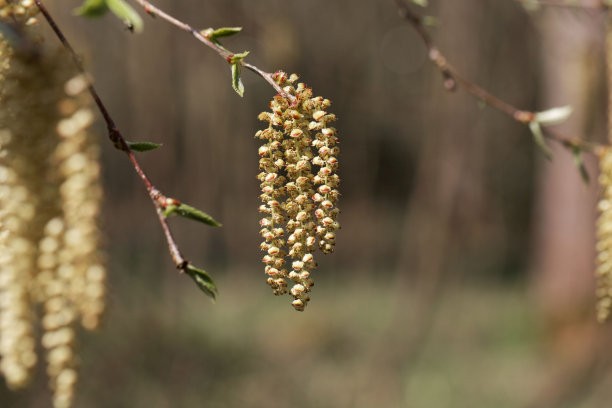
(453, 79)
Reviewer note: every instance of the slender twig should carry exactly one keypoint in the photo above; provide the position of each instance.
(160, 201)
(156, 11)
(452, 79)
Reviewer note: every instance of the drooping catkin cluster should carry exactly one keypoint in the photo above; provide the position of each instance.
(49, 201)
(22, 11)
(604, 238)
(299, 161)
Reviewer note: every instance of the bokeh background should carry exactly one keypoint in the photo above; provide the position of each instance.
(463, 273)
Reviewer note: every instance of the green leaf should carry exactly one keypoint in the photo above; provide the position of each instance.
(217, 43)
(207, 32)
(187, 211)
(237, 58)
(538, 137)
(579, 162)
(220, 32)
(553, 116)
(236, 81)
(422, 3)
(143, 146)
(203, 280)
(92, 8)
(126, 13)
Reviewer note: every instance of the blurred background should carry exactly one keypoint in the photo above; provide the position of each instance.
(463, 273)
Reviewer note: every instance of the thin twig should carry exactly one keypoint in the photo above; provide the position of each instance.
(156, 11)
(452, 79)
(158, 199)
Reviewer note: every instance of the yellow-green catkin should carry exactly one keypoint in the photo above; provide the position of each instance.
(299, 161)
(22, 193)
(21, 12)
(69, 253)
(604, 223)
(604, 239)
(50, 197)
(76, 159)
(17, 344)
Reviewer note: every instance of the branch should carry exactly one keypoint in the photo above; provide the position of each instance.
(160, 202)
(155, 11)
(453, 79)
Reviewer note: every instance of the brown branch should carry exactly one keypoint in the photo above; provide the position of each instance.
(452, 79)
(157, 198)
(155, 11)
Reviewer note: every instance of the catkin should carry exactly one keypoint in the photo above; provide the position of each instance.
(50, 197)
(298, 163)
(604, 238)
(22, 12)
(25, 196)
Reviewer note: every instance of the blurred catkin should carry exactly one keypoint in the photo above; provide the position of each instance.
(604, 223)
(49, 202)
(604, 238)
(297, 143)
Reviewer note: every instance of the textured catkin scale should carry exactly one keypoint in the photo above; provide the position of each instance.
(604, 239)
(76, 162)
(299, 186)
(49, 200)
(22, 12)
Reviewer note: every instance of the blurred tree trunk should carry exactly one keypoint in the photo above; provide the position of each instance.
(563, 261)
(564, 217)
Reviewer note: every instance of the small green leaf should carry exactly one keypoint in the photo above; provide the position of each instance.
(538, 137)
(92, 8)
(422, 3)
(187, 211)
(126, 13)
(217, 43)
(236, 81)
(143, 146)
(203, 280)
(237, 58)
(553, 116)
(207, 32)
(579, 162)
(221, 32)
